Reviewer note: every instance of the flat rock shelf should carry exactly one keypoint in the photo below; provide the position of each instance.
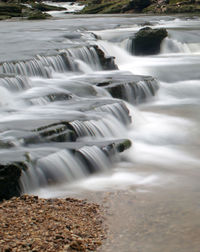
(29, 223)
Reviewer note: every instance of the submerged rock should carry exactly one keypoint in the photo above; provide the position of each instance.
(147, 41)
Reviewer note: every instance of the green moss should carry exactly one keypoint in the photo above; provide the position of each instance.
(95, 8)
(10, 10)
(126, 144)
(104, 7)
(150, 9)
(2, 17)
(36, 15)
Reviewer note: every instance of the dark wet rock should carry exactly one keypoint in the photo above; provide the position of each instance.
(107, 63)
(60, 132)
(10, 10)
(9, 179)
(147, 41)
(138, 5)
(45, 7)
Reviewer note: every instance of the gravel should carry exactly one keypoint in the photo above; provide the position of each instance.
(28, 223)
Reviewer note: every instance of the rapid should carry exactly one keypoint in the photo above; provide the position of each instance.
(49, 75)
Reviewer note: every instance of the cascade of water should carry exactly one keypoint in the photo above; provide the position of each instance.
(86, 54)
(58, 167)
(43, 66)
(30, 68)
(95, 158)
(17, 83)
(118, 110)
(174, 46)
(107, 127)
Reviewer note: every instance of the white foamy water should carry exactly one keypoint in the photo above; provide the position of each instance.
(60, 84)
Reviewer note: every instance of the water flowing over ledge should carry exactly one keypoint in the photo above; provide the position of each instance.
(68, 120)
(68, 113)
(61, 121)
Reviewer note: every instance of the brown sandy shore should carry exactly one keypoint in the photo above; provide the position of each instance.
(29, 223)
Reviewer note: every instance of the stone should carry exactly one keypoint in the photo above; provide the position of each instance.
(9, 179)
(147, 41)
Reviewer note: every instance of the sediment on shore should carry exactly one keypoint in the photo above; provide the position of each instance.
(29, 223)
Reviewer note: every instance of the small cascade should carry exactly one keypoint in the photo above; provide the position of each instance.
(142, 91)
(108, 127)
(132, 88)
(29, 68)
(95, 159)
(118, 110)
(66, 60)
(87, 54)
(174, 46)
(61, 166)
(127, 44)
(17, 83)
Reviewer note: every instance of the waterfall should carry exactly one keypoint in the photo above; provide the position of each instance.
(58, 167)
(170, 45)
(65, 61)
(17, 83)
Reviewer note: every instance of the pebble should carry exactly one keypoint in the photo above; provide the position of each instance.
(29, 223)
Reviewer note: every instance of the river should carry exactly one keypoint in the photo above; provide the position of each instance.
(160, 172)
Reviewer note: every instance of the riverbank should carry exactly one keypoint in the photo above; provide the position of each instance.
(32, 10)
(29, 223)
(143, 6)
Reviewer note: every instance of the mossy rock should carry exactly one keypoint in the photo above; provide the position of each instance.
(95, 8)
(45, 7)
(115, 6)
(147, 41)
(126, 144)
(37, 15)
(10, 10)
(106, 7)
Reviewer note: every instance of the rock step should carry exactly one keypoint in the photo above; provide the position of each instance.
(65, 60)
(33, 160)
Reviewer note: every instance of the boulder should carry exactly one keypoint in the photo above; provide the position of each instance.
(147, 41)
(10, 10)
(9, 179)
(139, 5)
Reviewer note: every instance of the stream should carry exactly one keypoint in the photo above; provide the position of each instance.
(39, 87)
